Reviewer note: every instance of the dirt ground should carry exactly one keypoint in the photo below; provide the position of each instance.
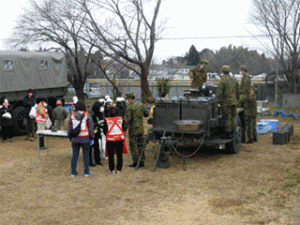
(259, 185)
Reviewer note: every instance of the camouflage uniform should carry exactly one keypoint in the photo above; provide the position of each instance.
(133, 120)
(227, 95)
(251, 132)
(245, 89)
(198, 77)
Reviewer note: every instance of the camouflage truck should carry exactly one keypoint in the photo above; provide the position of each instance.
(170, 116)
(44, 72)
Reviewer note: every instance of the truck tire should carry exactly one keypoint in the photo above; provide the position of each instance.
(234, 146)
(18, 120)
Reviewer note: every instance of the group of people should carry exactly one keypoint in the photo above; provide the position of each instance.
(230, 95)
(42, 114)
(106, 124)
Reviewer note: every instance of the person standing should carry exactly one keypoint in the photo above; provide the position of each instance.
(198, 76)
(115, 140)
(133, 121)
(121, 106)
(97, 114)
(60, 114)
(28, 102)
(245, 89)
(41, 114)
(227, 97)
(83, 139)
(252, 105)
(6, 121)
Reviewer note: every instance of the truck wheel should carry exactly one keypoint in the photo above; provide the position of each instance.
(18, 120)
(234, 146)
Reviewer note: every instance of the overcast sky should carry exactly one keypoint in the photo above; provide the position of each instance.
(204, 24)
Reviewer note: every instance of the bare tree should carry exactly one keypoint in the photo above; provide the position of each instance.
(57, 23)
(127, 33)
(280, 20)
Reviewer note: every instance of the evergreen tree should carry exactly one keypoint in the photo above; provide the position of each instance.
(193, 56)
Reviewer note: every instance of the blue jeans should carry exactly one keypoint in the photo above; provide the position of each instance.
(75, 155)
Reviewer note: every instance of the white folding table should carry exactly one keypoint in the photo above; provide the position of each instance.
(49, 133)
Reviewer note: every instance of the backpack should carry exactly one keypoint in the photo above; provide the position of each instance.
(76, 131)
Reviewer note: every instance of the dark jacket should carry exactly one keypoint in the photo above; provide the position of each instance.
(90, 125)
(4, 121)
(96, 114)
(121, 110)
(28, 103)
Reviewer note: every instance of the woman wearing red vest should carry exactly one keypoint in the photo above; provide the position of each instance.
(83, 139)
(115, 139)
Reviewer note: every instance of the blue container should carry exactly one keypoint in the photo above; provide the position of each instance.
(272, 122)
(263, 127)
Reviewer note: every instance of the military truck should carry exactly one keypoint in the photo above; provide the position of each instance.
(173, 121)
(44, 72)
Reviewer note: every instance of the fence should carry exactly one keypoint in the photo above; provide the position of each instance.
(177, 87)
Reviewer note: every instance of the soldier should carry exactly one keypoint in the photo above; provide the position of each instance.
(133, 120)
(227, 95)
(252, 105)
(198, 76)
(245, 89)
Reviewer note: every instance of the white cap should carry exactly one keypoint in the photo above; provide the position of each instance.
(106, 97)
(75, 99)
(109, 100)
(118, 99)
(122, 99)
(101, 100)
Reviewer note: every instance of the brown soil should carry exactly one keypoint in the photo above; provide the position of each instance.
(250, 187)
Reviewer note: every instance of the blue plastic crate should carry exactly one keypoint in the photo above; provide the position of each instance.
(263, 127)
(272, 122)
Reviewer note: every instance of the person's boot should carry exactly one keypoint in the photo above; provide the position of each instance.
(99, 163)
(255, 139)
(92, 165)
(133, 164)
(142, 164)
(250, 141)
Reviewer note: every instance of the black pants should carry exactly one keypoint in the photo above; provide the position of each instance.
(111, 148)
(30, 127)
(7, 132)
(96, 149)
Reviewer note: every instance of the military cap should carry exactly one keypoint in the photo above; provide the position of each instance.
(204, 62)
(226, 68)
(130, 95)
(244, 68)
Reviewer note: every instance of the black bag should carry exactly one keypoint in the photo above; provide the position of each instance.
(76, 131)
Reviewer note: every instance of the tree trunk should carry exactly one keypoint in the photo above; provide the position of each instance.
(79, 90)
(145, 84)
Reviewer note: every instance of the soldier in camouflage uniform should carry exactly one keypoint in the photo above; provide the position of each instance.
(198, 75)
(133, 120)
(227, 95)
(251, 132)
(245, 89)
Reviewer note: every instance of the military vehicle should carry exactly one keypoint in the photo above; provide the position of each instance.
(192, 118)
(44, 72)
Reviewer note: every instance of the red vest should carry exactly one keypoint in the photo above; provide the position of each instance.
(114, 129)
(84, 131)
(39, 117)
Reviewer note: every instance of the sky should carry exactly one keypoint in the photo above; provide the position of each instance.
(204, 24)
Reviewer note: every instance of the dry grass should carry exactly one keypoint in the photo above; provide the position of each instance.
(215, 188)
